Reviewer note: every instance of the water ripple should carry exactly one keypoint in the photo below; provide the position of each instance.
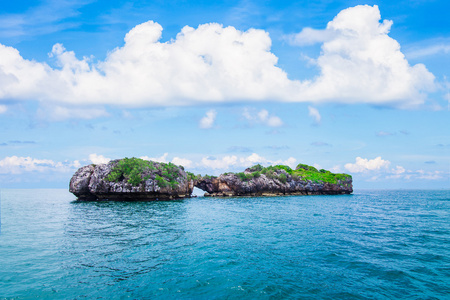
(373, 244)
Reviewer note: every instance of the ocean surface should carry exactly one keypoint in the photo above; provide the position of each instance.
(369, 245)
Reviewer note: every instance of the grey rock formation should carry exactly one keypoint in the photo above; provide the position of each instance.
(263, 185)
(92, 183)
(136, 179)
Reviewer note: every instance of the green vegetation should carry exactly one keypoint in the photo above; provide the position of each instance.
(311, 173)
(131, 170)
(256, 168)
(192, 176)
(136, 171)
(162, 182)
(245, 176)
(301, 172)
(282, 178)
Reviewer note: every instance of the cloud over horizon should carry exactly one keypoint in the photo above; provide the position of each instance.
(359, 63)
(22, 169)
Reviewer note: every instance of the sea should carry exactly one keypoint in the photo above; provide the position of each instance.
(373, 244)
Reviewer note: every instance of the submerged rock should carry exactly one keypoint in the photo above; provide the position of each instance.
(275, 181)
(131, 179)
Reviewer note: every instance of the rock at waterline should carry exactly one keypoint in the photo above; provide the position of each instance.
(137, 179)
(277, 181)
(131, 179)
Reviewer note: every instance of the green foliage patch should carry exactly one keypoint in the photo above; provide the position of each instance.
(136, 171)
(310, 173)
(301, 172)
(131, 170)
(192, 176)
(245, 176)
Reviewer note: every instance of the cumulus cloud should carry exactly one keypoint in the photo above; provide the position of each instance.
(182, 162)
(359, 62)
(162, 158)
(207, 64)
(222, 163)
(233, 161)
(262, 117)
(309, 36)
(98, 159)
(208, 120)
(364, 165)
(3, 109)
(379, 168)
(19, 165)
(314, 113)
(291, 162)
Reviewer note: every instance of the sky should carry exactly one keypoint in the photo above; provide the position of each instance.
(357, 87)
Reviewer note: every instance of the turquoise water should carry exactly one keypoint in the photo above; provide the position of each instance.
(370, 245)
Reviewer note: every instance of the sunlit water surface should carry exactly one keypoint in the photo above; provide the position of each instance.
(373, 244)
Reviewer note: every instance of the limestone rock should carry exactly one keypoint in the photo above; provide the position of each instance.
(275, 182)
(116, 180)
(136, 179)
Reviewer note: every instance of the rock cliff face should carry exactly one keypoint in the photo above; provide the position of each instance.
(137, 179)
(276, 182)
(132, 179)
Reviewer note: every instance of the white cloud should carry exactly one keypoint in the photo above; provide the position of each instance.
(60, 113)
(76, 164)
(262, 117)
(359, 63)
(291, 162)
(3, 109)
(309, 36)
(336, 169)
(187, 163)
(162, 158)
(182, 161)
(398, 170)
(222, 163)
(364, 165)
(176, 160)
(19, 165)
(378, 169)
(208, 120)
(429, 50)
(207, 64)
(434, 175)
(43, 18)
(314, 113)
(232, 161)
(252, 159)
(98, 159)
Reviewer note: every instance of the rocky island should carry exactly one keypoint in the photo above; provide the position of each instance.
(277, 181)
(138, 179)
(131, 179)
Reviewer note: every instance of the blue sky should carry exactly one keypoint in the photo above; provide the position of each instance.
(359, 87)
